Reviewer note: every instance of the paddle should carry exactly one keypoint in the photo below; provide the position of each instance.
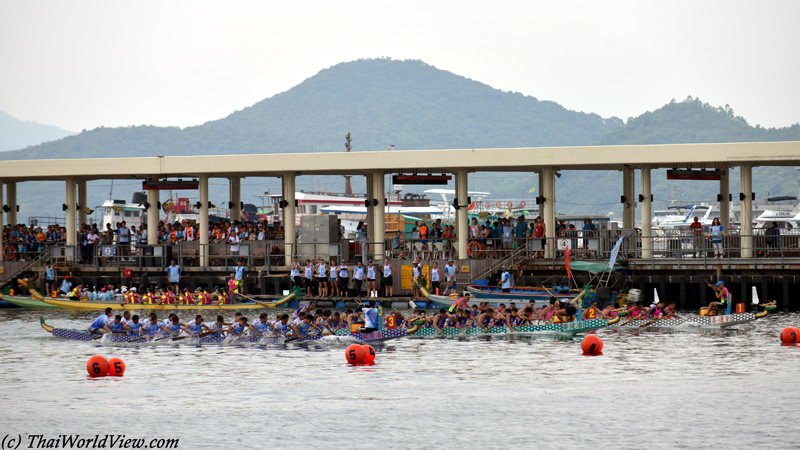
(201, 335)
(266, 305)
(648, 323)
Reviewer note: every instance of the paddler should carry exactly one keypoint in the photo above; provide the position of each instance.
(235, 320)
(75, 293)
(567, 314)
(323, 322)
(99, 324)
(260, 326)
(485, 320)
(722, 294)
(669, 311)
(460, 303)
(305, 308)
(239, 328)
(281, 326)
(175, 327)
(592, 312)
(305, 326)
(546, 314)
(440, 320)
(134, 327)
(115, 326)
(196, 327)
(152, 327)
(218, 327)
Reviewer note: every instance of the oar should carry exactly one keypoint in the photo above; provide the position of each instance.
(648, 323)
(201, 335)
(168, 335)
(260, 303)
(113, 332)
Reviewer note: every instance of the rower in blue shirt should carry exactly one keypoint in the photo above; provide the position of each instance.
(99, 324)
(115, 326)
(134, 327)
(218, 327)
(237, 329)
(197, 326)
(174, 328)
(260, 326)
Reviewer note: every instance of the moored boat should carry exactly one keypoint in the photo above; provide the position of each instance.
(450, 300)
(31, 303)
(520, 294)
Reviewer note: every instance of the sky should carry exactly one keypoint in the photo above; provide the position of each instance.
(84, 64)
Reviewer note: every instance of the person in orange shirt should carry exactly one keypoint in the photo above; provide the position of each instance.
(697, 229)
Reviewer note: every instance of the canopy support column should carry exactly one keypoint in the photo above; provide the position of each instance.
(11, 201)
(725, 199)
(82, 204)
(747, 211)
(72, 232)
(549, 216)
(629, 208)
(236, 198)
(202, 229)
(2, 244)
(647, 214)
(462, 213)
(379, 219)
(153, 215)
(288, 217)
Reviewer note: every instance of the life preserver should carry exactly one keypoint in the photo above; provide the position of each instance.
(497, 205)
(9, 251)
(509, 204)
(522, 204)
(488, 205)
(469, 249)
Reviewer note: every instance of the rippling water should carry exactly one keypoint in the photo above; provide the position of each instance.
(678, 389)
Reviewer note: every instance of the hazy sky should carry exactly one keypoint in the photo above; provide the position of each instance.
(83, 64)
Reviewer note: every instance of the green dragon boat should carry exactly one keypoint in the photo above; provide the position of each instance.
(30, 303)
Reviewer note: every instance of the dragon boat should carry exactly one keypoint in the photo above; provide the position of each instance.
(31, 303)
(81, 305)
(570, 328)
(218, 338)
(494, 294)
(721, 321)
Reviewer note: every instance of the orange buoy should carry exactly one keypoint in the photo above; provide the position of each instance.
(369, 354)
(355, 354)
(790, 335)
(116, 367)
(592, 345)
(97, 366)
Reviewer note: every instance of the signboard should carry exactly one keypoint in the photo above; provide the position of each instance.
(421, 179)
(406, 276)
(685, 174)
(149, 185)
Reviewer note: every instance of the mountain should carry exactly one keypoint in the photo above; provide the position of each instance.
(380, 101)
(15, 133)
(413, 105)
(410, 104)
(692, 121)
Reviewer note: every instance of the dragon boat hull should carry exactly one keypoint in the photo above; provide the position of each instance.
(722, 321)
(494, 302)
(80, 335)
(558, 328)
(30, 303)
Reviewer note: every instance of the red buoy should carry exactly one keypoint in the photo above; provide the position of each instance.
(116, 367)
(369, 354)
(97, 366)
(790, 335)
(355, 354)
(592, 345)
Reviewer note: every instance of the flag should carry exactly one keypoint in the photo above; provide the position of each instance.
(614, 253)
(569, 272)
(532, 189)
(471, 206)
